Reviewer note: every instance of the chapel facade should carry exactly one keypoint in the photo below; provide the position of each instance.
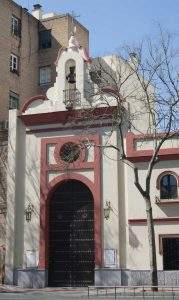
(74, 215)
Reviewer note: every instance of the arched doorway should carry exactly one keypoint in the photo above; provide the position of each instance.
(71, 235)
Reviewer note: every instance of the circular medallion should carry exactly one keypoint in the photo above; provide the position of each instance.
(69, 152)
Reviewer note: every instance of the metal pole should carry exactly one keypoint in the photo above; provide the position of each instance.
(115, 292)
(173, 294)
(153, 293)
(88, 292)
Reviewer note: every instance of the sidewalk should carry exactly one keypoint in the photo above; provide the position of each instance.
(67, 290)
(95, 291)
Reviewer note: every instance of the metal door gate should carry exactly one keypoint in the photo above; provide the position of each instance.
(71, 236)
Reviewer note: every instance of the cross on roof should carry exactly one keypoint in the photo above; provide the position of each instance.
(74, 16)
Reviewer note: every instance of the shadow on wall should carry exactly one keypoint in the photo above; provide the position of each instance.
(16, 229)
(133, 240)
(47, 57)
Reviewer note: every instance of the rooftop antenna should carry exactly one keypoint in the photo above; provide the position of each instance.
(74, 16)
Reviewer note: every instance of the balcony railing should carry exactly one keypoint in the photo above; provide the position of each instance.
(72, 97)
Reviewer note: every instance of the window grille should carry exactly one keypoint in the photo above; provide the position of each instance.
(45, 75)
(168, 187)
(13, 100)
(71, 97)
(15, 26)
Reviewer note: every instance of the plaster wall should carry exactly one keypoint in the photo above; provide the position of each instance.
(31, 175)
(110, 180)
(137, 236)
(136, 205)
(32, 193)
(10, 218)
(130, 90)
(150, 144)
(87, 174)
(138, 251)
(20, 194)
(15, 195)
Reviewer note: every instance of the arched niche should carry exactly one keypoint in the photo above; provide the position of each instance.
(70, 74)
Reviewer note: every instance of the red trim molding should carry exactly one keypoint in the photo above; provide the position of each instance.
(70, 172)
(30, 101)
(167, 202)
(63, 117)
(166, 173)
(80, 160)
(156, 221)
(161, 236)
(145, 155)
(62, 128)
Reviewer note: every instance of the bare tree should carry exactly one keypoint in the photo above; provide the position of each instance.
(142, 83)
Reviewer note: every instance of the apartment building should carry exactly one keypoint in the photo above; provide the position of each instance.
(29, 46)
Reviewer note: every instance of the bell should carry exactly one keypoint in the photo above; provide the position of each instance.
(71, 76)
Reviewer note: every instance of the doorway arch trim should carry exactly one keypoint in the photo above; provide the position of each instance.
(46, 195)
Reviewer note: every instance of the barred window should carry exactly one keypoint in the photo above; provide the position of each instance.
(45, 75)
(16, 26)
(13, 100)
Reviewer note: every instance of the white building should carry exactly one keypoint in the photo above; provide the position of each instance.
(60, 182)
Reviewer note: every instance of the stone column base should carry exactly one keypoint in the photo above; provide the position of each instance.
(112, 277)
(35, 278)
(31, 278)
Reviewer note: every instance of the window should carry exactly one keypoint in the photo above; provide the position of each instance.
(168, 187)
(4, 125)
(45, 39)
(15, 26)
(170, 253)
(14, 63)
(95, 76)
(13, 100)
(69, 152)
(45, 75)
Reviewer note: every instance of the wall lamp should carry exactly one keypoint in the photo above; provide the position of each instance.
(28, 212)
(107, 210)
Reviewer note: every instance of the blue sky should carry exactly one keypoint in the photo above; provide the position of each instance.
(114, 22)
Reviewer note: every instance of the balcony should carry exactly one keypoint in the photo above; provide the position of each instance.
(72, 97)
